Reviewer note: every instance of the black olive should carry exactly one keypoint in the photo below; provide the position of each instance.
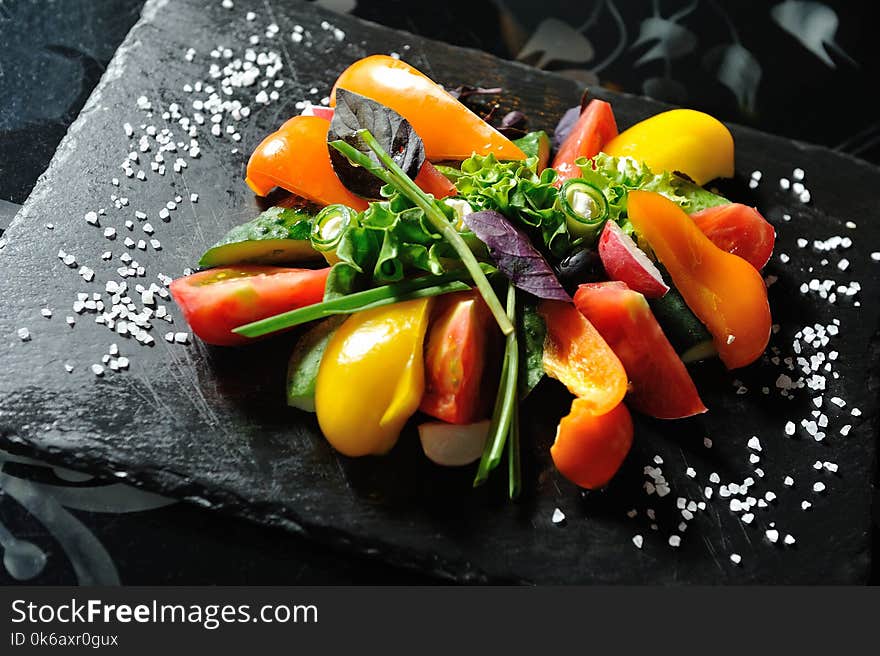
(580, 267)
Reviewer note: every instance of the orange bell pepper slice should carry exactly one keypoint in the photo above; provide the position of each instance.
(449, 130)
(723, 290)
(576, 355)
(296, 158)
(590, 448)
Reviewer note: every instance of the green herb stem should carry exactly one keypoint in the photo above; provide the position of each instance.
(514, 468)
(398, 178)
(406, 290)
(505, 401)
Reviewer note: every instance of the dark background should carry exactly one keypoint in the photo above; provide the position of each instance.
(52, 54)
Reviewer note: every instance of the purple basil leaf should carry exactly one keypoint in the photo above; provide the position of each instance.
(515, 256)
(463, 91)
(513, 125)
(565, 126)
(393, 132)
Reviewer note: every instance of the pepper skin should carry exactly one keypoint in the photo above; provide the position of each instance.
(682, 140)
(724, 291)
(371, 378)
(576, 355)
(296, 158)
(449, 130)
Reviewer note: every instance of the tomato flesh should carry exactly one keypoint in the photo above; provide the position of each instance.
(590, 448)
(595, 127)
(217, 300)
(660, 384)
(431, 181)
(738, 229)
(455, 359)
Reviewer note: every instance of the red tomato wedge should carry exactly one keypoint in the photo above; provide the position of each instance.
(431, 181)
(455, 359)
(590, 448)
(661, 386)
(595, 127)
(217, 300)
(738, 229)
(296, 158)
(577, 356)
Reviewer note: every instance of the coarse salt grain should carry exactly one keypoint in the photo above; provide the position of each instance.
(558, 516)
(638, 541)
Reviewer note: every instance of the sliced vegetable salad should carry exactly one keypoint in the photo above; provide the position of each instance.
(445, 267)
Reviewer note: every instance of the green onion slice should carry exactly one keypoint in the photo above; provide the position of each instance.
(584, 206)
(329, 226)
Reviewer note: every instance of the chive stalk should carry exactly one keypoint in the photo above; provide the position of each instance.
(394, 175)
(406, 290)
(505, 401)
(514, 468)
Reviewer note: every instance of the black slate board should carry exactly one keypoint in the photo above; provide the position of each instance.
(210, 425)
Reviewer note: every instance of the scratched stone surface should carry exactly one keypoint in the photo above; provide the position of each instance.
(210, 426)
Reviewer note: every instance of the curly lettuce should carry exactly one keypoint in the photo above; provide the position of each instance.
(518, 191)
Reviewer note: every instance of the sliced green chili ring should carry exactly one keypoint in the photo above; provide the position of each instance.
(584, 206)
(329, 225)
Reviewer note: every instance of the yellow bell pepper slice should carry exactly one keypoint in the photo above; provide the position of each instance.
(683, 140)
(371, 378)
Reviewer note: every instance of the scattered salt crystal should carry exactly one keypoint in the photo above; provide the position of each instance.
(788, 539)
(772, 534)
(806, 505)
(558, 516)
(707, 442)
(97, 369)
(788, 481)
(735, 558)
(674, 540)
(181, 338)
(638, 540)
(690, 472)
(754, 443)
(818, 487)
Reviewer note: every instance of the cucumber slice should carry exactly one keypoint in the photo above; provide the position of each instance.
(329, 225)
(685, 332)
(280, 235)
(302, 369)
(585, 207)
(536, 144)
